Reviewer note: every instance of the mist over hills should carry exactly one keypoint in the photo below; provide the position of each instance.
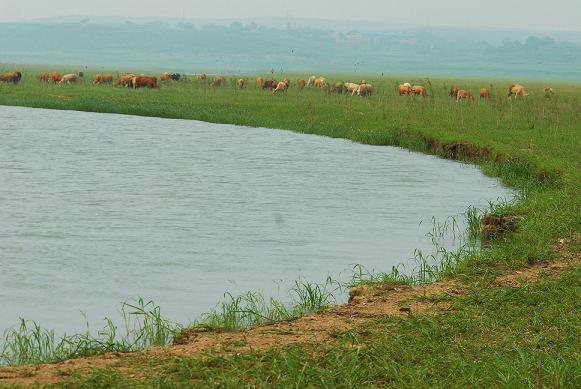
(292, 45)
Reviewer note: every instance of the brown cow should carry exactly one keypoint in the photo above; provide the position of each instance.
(484, 93)
(44, 77)
(144, 81)
(240, 83)
(12, 77)
(463, 95)
(517, 90)
(217, 81)
(56, 77)
(419, 90)
(260, 82)
(101, 79)
(71, 78)
(338, 88)
(281, 87)
(124, 80)
(364, 90)
(350, 87)
(270, 84)
(404, 89)
(202, 76)
(320, 82)
(454, 92)
(169, 76)
(302, 83)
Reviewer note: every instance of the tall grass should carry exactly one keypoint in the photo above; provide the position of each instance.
(442, 261)
(143, 326)
(473, 216)
(252, 308)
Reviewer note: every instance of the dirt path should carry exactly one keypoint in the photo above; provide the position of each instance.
(365, 303)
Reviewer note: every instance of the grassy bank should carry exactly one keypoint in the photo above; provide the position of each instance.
(492, 336)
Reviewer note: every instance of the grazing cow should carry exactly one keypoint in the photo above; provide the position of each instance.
(270, 84)
(549, 92)
(44, 77)
(260, 82)
(12, 77)
(217, 81)
(517, 90)
(484, 93)
(404, 89)
(101, 79)
(454, 92)
(302, 83)
(124, 80)
(350, 87)
(56, 77)
(144, 82)
(338, 88)
(281, 87)
(169, 76)
(364, 90)
(202, 76)
(70, 78)
(419, 90)
(240, 83)
(320, 82)
(463, 95)
(311, 80)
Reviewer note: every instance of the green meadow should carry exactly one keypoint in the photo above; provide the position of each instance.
(491, 336)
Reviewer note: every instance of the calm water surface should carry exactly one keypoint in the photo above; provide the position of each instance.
(96, 209)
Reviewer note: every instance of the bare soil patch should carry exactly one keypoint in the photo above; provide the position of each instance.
(539, 270)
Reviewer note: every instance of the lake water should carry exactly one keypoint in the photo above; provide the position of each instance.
(96, 209)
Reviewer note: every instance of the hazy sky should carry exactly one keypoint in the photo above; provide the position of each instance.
(523, 14)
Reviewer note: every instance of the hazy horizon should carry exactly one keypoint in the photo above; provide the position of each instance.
(421, 38)
(558, 15)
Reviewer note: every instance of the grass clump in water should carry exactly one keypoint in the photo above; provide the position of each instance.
(252, 308)
(143, 326)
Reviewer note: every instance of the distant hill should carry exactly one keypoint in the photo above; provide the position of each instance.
(292, 45)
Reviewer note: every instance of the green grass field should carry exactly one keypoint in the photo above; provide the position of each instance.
(493, 337)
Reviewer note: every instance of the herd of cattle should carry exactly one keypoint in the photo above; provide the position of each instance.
(129, 80)
(126, 80)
